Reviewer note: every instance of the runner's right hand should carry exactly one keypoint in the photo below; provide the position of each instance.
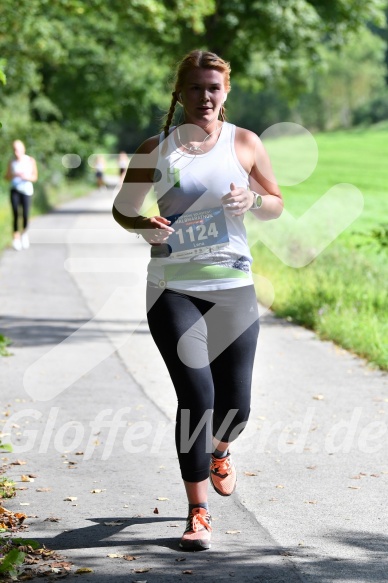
(155, 230)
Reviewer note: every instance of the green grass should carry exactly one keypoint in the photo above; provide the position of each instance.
(342, 293)
(4, 342)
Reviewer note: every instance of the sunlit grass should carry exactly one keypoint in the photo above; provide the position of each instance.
(342, 294)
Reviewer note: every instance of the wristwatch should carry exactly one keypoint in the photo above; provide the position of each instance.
(257, 201)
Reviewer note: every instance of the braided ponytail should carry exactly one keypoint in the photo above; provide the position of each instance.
(169, 118)
(170, 114)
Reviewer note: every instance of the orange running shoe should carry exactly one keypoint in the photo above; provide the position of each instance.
(197, 534)
(223, 475)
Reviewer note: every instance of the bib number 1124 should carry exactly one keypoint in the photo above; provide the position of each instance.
(198, 233)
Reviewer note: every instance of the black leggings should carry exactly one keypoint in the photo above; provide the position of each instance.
(208, 342)
(18, 199)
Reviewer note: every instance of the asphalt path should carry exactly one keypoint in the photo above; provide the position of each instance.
(88, 404)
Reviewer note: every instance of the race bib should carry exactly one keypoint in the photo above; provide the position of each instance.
(197, 232)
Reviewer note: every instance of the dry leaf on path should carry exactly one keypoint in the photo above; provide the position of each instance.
(115, 556)
(142, 570)
(96, 491)
(250, 474)
(51, 519)
(161, 498)
(129, 558)
(156, 510)
(26, 479)
(84, 570)
(354, 487)
(18, 463)
(233, 532)
(43, 490)
(318, 397)
(70, 499)
(113, 523)
(187, 572)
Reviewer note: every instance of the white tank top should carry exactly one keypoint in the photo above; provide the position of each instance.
(22, 165)
(209, 249)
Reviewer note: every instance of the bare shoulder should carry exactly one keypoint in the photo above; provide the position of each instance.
(149, 145)
(248, 148)
(247, 138)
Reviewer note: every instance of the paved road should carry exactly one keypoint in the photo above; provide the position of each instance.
(89, 406)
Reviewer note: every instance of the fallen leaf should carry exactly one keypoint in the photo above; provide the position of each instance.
(32, 476)
(114, 523)
(354, 487)
(250, 474)
(311, 467)
(173, 525)
(79, 453)
(318, 397)
(114, 556)
(162, 499)
(24, 503)
(129, 558)
(187, 572)
(26, 479)
(375, 475)
(279, 486)
(156, 510)
(142, 570)
(51, 519)
(84, 570)
(70, 499)
(43, 490)
(232, 532)
(96, 491)
(310, 501)
(18, 463)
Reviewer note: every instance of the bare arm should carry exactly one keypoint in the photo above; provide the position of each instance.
(138, 181)
(255, 160)
(34, 171)
(8, 174)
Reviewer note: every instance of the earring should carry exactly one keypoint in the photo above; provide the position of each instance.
(225, 97)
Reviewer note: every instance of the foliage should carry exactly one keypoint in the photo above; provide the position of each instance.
(376, 239)
(75, 67)
(14, 555)
(4, 342)
(10, 563)
(346, 82)
(7, 487)
(374, 111)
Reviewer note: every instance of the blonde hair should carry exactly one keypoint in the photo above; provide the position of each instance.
(196, 60)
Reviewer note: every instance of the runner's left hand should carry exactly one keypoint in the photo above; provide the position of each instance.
(238, 201)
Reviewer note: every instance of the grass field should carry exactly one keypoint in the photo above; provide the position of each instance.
(342, 292)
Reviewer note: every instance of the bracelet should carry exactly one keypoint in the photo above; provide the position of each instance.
(257, 201)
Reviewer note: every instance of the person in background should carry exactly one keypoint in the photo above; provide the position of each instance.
(123, 164)
(22, 171)
(100, 167)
